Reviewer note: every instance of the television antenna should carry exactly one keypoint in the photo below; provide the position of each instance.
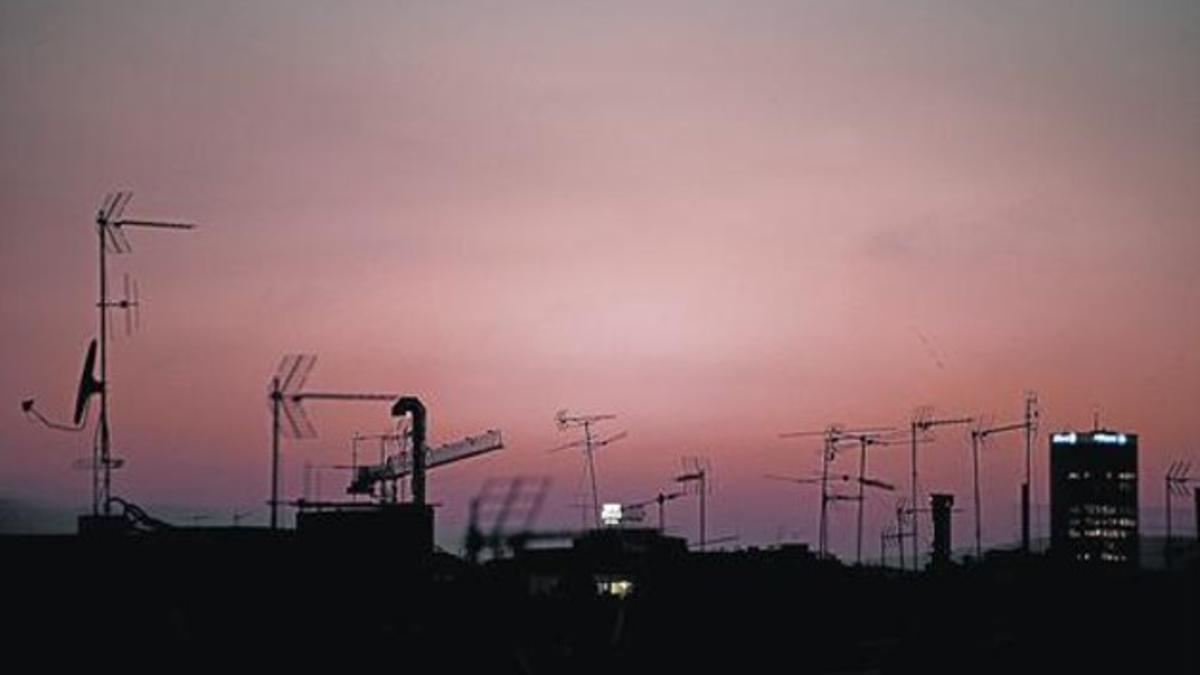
(979, 437)
(923, 421)
(832, 437)
(110, 231)
(286, 397)
(661, 499)
(865, 441)
(1176, 481)
(829, 496)
(565, 420)
(503, 501)
(696, 470)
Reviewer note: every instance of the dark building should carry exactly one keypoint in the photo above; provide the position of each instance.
(1094, 496)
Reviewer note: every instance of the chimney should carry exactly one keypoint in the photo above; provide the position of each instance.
(942, 504)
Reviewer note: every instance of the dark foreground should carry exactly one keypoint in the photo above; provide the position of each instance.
(181, 598)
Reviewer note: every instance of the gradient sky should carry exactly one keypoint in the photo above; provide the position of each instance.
(717, 220)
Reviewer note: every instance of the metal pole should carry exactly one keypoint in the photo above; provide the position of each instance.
(276, 402)
(703, 510)
(1196, 511)
(978, 517)
(862, 474)
(1167, 498)
(100, 498)
(915, 552)
(821, 531)
(900, 532)
(662, 499)
(587, 435)
(1025, 489)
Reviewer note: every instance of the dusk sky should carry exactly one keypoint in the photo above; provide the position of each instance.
(717, 220)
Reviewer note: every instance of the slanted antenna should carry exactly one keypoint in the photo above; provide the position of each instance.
(565, 420)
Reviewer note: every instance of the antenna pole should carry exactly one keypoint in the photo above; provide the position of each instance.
(975, 460)
(1030, 414)
(1167, 497)
(916, 553)
(825, 452)
(100, 491)
(276, 402)
(587, 442)
(923, 424)
(862, 474)
(662, 500)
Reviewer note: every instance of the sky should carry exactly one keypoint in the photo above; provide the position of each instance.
(718, 221)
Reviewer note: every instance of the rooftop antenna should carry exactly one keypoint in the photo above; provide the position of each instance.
(696, 470)
(1176, 482)
(923, 420)
(902, 530)
(520, 500)
(129, 304)
(565, 420)
(828, 496)
(979, 437)
(661, 500)
(286, 397)
(866, 440)
(110, 231)
(832, 436)
(1031, 421)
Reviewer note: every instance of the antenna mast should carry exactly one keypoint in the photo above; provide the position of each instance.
(110, 224)
(922, 422)
(979, 436)
(699, 473)
(565, 421)
(1031, 416)
(287, 402)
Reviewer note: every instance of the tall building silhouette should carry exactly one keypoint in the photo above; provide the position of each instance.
(1094, 496)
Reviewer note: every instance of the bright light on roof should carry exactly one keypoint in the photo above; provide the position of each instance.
(1068, 438)
(1109, 439)
(610, 514)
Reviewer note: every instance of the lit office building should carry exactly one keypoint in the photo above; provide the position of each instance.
(1094, 496)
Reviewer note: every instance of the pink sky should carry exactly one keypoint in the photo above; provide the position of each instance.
(719, 221)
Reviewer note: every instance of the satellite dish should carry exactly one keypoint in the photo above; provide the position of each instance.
(88, 384)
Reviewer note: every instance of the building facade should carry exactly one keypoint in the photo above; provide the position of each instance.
(1094, 497)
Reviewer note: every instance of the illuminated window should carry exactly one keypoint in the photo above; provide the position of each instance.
(614, 586)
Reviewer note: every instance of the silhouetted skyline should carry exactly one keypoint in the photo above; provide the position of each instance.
(720, 221)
